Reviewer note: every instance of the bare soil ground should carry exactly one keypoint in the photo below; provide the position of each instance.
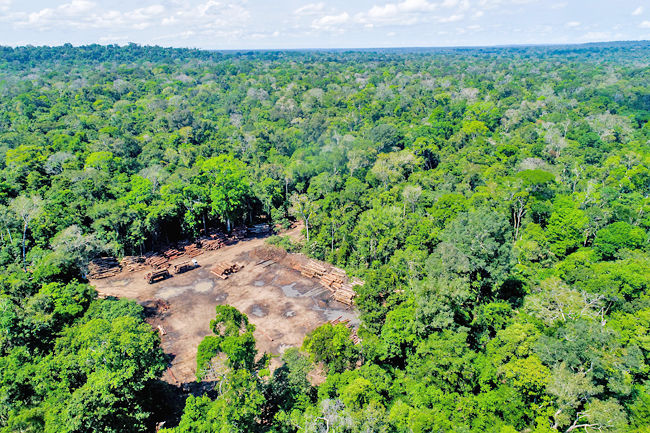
(283, 304)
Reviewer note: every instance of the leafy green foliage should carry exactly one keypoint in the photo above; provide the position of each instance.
(233, 337)
(331, 345)
(494, 201)
(616, 236)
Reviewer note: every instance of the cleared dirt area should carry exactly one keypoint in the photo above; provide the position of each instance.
(283, 304)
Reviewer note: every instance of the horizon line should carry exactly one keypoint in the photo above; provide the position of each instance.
(353, 49)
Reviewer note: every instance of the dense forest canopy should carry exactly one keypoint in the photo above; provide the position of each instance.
(495, 201)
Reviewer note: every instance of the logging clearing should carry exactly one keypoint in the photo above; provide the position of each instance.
(264, 282)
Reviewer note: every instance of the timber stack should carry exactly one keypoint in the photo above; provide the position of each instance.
(156, 260)
(345, 294)
(173, 253)
(193, 250)
(313, 269)
(103, 267)
(222, 270)
(353, 332)
(158, 275)
(133, 263)
(211, 244)
(185, 266)
(354, 337)
(239, 233)
(334, 280)
(338, 321)
(331, 282)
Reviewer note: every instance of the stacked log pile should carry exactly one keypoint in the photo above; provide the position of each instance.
(354, 337)
(211, 244)
(215, 234)
(345, 294)
(193, 250)
(106, 267)
(239, 233)
(174, 253)
(334, 280)
(185, 266)
(331, 281)
(338, 321)
(222, 270)
(133, 263)
(103, 267)
(160, 260)
(353, 332)
(313, 269)
(159, 275)
(156, 260)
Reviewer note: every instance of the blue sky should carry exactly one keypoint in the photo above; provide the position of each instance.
(250, 24)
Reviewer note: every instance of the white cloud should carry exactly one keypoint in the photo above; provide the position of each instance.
(331, 23)
(82, 14)
(4, 4)
(209, 15)
(77, 7)
(303, 23)
(451, 19)
(310, 9)
(331, 20)
(391, 9)
(406, 13)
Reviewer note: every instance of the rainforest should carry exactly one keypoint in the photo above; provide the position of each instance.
(495, 201)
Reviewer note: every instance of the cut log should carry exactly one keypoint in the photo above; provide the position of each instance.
(222, 270)
(103, 267)
(158, 275)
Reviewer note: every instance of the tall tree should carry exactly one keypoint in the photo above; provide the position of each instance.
(27, 209)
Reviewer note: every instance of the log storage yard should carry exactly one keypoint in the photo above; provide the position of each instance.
(284, 295)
